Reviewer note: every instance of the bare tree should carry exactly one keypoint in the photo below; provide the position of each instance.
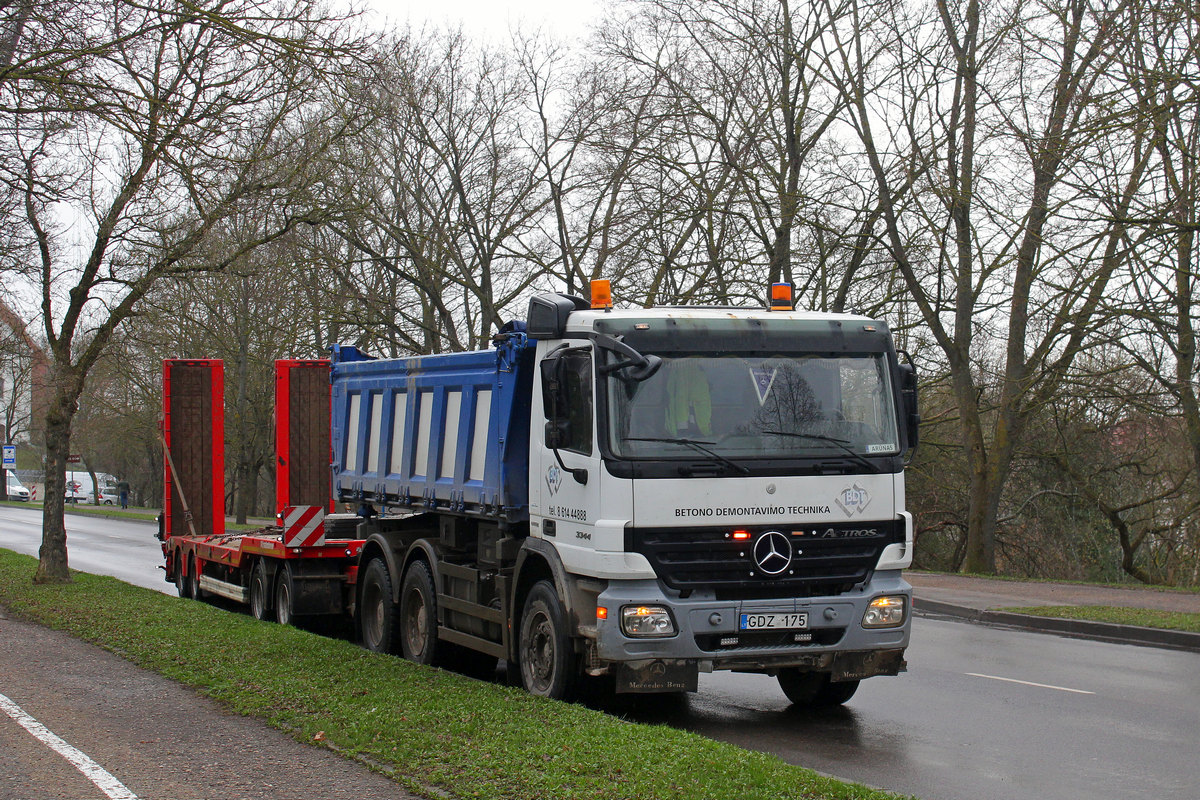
(1160, 65)
(1030, 111)
(745, 117)
(20, 358)
(174, 119)
(444, 198)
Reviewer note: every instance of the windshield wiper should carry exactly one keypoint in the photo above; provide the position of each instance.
(697, 445)
(844, 444)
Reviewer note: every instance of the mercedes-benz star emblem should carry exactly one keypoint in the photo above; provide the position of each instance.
(773, 552)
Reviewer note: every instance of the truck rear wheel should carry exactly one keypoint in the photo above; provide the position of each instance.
(547, 657)
(814, 689)
(260, 605)
(377, 612)
(418, 615)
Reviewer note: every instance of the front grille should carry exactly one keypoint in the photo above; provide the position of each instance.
(825, 559)
(767, 640)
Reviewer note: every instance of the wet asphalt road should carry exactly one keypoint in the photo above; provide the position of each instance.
(982, 714)
(1106, 721)
(123, 549)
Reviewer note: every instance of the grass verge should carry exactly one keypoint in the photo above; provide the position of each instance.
(1118, 615)
(1130, 584)
(113, 512)
(432, 730)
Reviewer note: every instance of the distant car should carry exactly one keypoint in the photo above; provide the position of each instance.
(14, 490)
(109, 496)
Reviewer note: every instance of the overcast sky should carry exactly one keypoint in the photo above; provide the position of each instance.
(565, 18)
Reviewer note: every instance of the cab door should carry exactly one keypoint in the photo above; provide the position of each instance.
(569, 479)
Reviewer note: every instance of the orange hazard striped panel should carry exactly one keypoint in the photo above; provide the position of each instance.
(303, 526)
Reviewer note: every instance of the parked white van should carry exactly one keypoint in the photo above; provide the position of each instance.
(80, 488)
(14, 490)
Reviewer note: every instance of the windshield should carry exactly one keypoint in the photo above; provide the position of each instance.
(742, 406)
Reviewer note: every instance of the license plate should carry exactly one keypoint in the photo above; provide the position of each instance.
(773, 622)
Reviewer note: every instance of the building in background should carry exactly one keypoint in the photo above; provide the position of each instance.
(24, 379)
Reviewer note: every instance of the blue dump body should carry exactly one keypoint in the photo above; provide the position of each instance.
(445, 432)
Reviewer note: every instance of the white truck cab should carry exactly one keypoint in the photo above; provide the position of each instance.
(728, 485)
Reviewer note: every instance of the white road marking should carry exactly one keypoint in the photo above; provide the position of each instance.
(90, 769)
(1029, 683)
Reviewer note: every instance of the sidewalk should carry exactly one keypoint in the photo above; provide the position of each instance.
(982, 600)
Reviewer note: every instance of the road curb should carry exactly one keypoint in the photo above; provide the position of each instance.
(1084, 629)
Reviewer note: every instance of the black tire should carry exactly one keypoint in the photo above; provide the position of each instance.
(549, 667)
(377, 612)
(260, 592)
(814, 689)
(285, 592)
(181, 585)
(418, 615)
(195, 592)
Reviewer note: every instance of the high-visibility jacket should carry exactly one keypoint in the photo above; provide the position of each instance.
(688, 399)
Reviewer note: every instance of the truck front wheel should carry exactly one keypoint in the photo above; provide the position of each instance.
(418, 615)
(547, 658)
(377, 612)
(814, 689)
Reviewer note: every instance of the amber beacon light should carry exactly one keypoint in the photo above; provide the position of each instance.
(601, 294)
(781, 297)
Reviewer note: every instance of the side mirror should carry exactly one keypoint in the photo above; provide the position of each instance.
(908, 399)
(552, 385)
(556, 437)
(556, 433)
(554, 405)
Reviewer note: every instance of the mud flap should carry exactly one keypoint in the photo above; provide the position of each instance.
(314, 594)
(867, 663)
(657, 675)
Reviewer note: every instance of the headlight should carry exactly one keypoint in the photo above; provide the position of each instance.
(647, 621)
(886, 612)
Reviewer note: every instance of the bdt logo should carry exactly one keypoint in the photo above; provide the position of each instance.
(553, 479)
(853, 500)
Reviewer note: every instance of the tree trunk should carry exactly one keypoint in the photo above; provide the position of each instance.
(980, 555)
(52, 556)
(1185, 336)
(247, 490)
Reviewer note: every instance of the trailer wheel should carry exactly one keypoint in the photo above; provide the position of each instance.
(814, 689)
(194, 590)
(547, 658)
(418, 615)
(285, 590)
(377, 612)
(260, 595)
(180, 578)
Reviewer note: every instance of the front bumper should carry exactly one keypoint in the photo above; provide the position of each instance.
(707, 631)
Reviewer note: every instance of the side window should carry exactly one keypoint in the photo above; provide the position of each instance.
(577, 392)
